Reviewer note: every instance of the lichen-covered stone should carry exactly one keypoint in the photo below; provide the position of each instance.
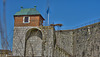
(41, 46)
(81, 42)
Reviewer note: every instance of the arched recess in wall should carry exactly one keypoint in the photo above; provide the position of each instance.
(33, 42)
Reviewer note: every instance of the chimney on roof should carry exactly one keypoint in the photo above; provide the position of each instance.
(35, 6)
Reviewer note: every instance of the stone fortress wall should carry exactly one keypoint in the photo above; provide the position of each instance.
(64, 44)
(81, 42)
(87, 41)
(23, 43)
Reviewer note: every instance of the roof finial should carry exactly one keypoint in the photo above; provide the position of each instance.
(21, 7)
(35, 6)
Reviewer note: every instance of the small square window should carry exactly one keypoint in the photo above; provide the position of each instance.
(26, 19)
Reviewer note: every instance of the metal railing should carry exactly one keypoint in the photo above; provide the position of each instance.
(79, 26)
(85, 24)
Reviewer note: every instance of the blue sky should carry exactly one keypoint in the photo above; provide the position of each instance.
(70, 13)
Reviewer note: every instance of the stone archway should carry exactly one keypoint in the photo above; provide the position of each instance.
(33, 43)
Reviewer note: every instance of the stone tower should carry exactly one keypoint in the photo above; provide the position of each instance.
(31, 38)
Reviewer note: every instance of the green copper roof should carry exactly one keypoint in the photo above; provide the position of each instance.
(30, 11)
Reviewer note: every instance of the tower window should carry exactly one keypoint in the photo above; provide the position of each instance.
(26, 19)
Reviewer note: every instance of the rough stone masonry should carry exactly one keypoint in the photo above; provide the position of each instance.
(81, 42)
(42, 43)
(31, 38)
